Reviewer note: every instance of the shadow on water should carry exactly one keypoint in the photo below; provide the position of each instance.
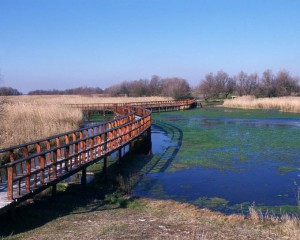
(166, 143)
(170, 152)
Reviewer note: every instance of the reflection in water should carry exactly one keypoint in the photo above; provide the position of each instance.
(240, 160)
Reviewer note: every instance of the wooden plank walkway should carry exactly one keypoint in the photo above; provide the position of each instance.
(32, 167)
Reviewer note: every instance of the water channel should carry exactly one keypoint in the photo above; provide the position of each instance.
(225, 159)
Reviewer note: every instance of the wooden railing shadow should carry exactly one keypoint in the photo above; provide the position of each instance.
(134, 168)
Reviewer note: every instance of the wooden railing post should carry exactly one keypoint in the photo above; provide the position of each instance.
(10, 183)
(42, 168)
(67, 153)
(28, 171)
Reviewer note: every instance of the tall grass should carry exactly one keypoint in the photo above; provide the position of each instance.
(79, 99)
(285, 104)
(285, 224)
(25, 122)
(26, 118)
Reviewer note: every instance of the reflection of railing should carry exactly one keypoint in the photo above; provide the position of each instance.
(31, 167)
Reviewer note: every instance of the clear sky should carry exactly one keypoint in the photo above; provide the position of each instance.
(59, 44)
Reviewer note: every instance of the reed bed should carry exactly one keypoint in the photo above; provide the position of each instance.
(25, 122)
(80, 99)
(27, 118)
(284, 104)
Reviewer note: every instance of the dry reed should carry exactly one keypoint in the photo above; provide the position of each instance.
(285, 104)
(286, 225)
(30, 118)
(25, 122)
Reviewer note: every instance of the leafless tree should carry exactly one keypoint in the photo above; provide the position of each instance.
(281, 84)
(138, 88)
(178, 88)
(246, 84)
(215, 86)
(285, 84)
(155, 86)
(208, 87)
(9, 91)
(268, 87)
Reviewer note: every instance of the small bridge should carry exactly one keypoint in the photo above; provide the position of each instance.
(30, 168)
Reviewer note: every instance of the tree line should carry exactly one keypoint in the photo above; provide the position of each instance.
(221, 85)
(213, 85)
(9, 91)
(72, 91)
(178, 88)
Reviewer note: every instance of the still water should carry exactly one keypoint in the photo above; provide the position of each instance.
(226, 159)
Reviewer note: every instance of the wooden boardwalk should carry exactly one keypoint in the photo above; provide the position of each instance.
(32, 167)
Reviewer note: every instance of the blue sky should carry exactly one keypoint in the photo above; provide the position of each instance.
(59, 44)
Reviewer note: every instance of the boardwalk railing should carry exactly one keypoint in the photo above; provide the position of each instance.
(182, 104)
(32, 167)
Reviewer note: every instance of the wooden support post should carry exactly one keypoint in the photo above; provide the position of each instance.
(119, 155)
(83, 176)
(104, 170)
(54, 190)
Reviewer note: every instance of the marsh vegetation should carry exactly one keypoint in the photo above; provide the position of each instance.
(284, 104)
(29, 117)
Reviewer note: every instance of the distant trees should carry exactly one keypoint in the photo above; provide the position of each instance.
(72, 91)
(9, 91)
(246, 84)
(217, 85)
(177, 88)
(221, 85)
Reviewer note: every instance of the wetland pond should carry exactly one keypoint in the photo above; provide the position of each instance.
(225, 159)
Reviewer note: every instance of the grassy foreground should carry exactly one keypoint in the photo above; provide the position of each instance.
(83, 213)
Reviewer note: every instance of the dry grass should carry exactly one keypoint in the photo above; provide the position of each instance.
(29, 118)
(25, 122)
(79, 99)
(284, 225)
(157, 219)
(285, 104)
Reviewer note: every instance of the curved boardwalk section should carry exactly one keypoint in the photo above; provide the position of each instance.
(32, 167)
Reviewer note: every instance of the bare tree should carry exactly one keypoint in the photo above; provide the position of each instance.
(268, 87)
(281, 84)
(285, 84)
(138, 88)
(208, 87)
(155, 86)
(178, 88)
(246, 84)
(219, 85)
(9, 91)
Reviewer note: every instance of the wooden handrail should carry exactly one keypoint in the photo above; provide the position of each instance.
(31, 165)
